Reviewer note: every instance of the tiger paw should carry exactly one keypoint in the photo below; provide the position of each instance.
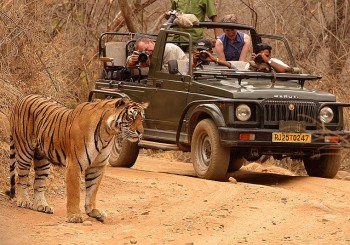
(44, 208)
(100, 215)
(25, 204)
(74, 218)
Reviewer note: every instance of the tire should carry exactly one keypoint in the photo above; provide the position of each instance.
(210, 160)
(324, 166)
(236, 161)
(124, 153)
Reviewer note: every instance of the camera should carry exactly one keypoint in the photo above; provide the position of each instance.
(258, 59)
(143, 57)
(203, 55)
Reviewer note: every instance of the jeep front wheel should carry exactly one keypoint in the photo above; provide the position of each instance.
(325, 166)
(124, 153)
(210, 159)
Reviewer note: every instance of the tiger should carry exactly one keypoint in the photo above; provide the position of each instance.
(44, 131)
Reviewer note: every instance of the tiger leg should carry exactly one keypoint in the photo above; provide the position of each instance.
(93, 177)
(42, 170)
(22, 196)
(12, 191)
(74, 215)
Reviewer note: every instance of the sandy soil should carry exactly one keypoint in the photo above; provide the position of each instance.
(161, 202)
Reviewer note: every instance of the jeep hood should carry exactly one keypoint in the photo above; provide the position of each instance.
(259, 89)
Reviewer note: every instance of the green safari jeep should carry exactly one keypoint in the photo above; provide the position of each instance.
(223, 116)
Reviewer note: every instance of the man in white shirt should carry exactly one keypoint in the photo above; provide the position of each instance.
(263, 50)
(145, 44)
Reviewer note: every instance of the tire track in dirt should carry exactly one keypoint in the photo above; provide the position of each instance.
(161, 202)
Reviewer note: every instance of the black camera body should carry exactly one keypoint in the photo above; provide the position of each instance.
(143, 57)
(258, 60)
(203, 55)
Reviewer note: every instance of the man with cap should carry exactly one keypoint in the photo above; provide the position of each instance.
(262, 54)
(203, 54)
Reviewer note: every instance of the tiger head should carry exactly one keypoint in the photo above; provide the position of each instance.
(130, 119)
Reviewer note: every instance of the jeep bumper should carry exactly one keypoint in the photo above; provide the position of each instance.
(232, 137)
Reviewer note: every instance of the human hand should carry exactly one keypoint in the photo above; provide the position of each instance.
(195, 56)
(253, 56)
(166, 15)
(211, 57)
(135, 57)
(264, 57)
(206, 56)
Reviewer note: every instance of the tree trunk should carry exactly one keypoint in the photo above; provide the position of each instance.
(339, 38)
(119, 21)
(131, 18)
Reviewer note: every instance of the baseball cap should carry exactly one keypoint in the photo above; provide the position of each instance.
(204, 44)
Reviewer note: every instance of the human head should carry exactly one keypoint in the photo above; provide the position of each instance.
(145, 44)
(263, 48)
(204, 44)
(230, 18)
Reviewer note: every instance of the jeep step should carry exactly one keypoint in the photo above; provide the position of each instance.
(158, 146)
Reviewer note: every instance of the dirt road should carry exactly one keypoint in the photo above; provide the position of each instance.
(160, 202)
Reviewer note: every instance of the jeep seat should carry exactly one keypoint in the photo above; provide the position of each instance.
(116, 51)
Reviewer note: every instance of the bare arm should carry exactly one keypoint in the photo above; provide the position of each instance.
(217, 60)
(275, 65)
(245, 49)
(219, 47)
(216, 30)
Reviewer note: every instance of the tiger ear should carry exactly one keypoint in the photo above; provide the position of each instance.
(144, 105)
(121, 102)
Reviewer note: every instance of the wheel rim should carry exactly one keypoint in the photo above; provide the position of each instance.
(204, 151)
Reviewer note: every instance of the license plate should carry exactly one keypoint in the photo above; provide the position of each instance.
(291, 137)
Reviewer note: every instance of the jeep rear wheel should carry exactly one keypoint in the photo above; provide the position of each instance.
(124, 153)
(210, 159)
(325, 166)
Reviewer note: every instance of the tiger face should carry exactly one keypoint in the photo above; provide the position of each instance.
(131, 123)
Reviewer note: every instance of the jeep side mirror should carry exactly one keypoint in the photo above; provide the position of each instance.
(173, 67)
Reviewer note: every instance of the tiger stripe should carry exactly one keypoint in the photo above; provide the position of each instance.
(44, 131)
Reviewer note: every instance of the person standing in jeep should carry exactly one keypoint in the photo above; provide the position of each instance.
(200, 8)
(232, 45)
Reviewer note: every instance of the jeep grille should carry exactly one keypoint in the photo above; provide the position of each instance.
(289, 110)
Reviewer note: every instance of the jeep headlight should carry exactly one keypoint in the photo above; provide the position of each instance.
(326, 114)
(243, 112)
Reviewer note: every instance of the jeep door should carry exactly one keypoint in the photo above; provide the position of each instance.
(168, 101)
(169, 97)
